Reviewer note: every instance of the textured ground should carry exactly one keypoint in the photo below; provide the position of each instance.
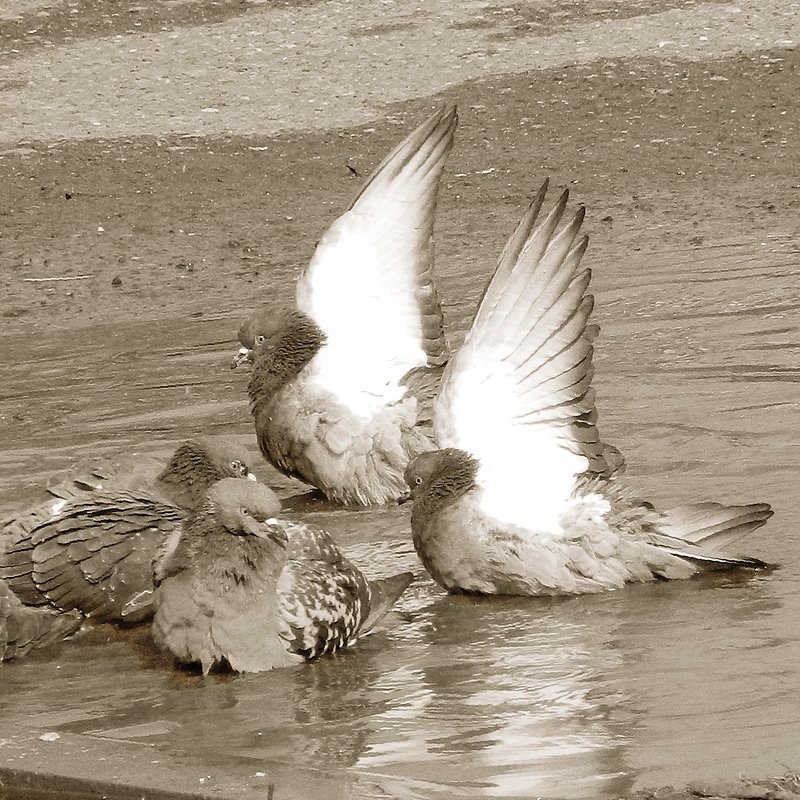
(165, 164)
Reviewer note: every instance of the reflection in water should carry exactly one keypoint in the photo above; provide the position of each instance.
(503, 701)
(504, 697)
(456, 696)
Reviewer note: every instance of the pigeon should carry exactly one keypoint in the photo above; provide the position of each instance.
(509, 504)
(90, 547)
(239, 588)
(342, 381)
(23, 628)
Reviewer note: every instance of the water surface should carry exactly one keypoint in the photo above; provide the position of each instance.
(581, 697)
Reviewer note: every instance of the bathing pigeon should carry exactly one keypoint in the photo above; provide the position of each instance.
(90, 547)
(23, 628)
(510, 504)
(342, 382)
(240, 588)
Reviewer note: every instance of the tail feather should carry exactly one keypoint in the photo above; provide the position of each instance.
(23, 628)
(715, 525)
(712, 561)
(384, 593)
(707, 529)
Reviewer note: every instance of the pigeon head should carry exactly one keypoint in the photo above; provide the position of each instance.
(229, 458)
(259, 323)
(439, 477)
(241, 507)
(266, 322)
(199, 463)
(264, 329)
(282, 343)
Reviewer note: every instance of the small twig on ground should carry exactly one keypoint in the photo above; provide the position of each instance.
(64, 278)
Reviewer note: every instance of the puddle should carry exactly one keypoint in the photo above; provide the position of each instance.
(581, 697)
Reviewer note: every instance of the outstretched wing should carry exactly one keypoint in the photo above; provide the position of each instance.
(369, 286)
(518, 394)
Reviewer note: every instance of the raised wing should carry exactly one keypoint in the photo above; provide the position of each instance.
(518, 394)
(370, 287)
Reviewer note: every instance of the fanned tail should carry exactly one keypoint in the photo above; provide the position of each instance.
(709, 528)
(384, 593)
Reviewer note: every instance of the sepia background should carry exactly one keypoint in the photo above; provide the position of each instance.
(165, 166)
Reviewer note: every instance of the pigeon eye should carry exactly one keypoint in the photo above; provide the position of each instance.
(418, 480)
(245, 512)
(260, 339)
(236, 466)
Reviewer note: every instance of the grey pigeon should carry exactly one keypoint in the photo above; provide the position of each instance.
(240, 588)
(511, 503)
(342, 379)
(90, 547)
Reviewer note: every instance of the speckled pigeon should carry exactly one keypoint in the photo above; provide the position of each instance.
(240, 588)
(342, 381)
(90, 547)
(23, 628)
(510, 504)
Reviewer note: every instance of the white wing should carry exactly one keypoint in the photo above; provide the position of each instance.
(369, 285)
(518, 395)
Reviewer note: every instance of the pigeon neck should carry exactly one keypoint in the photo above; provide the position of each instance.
(188, 475)
(280, 362)
(228, 556)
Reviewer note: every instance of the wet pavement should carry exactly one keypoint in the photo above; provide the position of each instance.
(684, 157)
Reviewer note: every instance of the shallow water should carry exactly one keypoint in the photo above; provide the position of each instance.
(697, 372)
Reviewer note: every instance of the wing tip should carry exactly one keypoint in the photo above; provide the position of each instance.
(448, 114)
(541, 192)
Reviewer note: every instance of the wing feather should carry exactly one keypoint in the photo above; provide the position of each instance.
(91, 553)
(323, 598)
(518, 394)
(369, 285)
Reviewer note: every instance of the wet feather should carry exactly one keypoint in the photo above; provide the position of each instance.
(92, 552)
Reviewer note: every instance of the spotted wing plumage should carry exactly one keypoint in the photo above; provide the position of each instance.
(323, 598)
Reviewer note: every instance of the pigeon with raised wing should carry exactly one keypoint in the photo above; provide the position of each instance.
(90, 546)
(342, 381)
(516, 501)
(240, 588)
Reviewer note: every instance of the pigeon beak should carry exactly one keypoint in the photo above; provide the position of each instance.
(404, 498)
(269, 529)
(245, 355)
